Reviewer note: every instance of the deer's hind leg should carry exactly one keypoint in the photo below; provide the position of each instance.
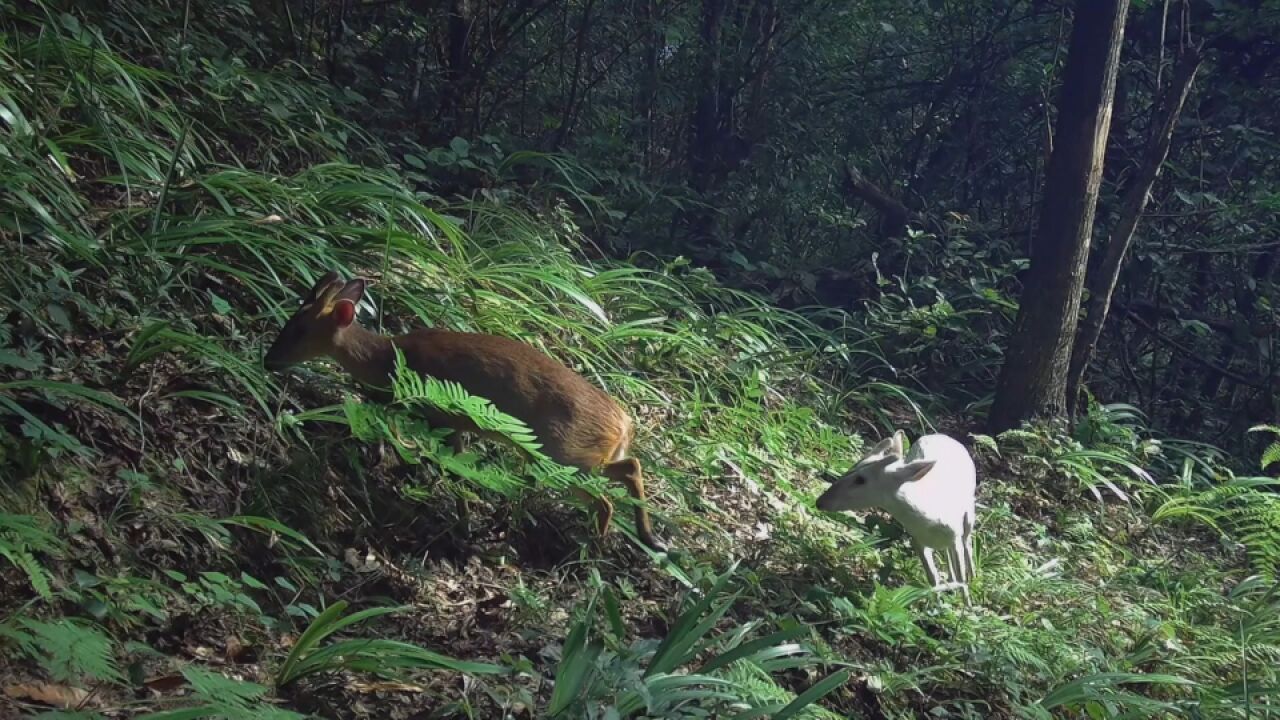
(968, 547)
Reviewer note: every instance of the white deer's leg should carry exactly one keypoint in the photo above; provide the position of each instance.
(960, 566)
(955, 568)
(956, 583)
(930, 567)
(968, 550)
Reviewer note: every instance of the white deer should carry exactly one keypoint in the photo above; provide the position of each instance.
(930, 491)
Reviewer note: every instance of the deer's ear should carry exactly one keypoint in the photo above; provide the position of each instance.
(353, 290)
(880, 448)
(343, 313)
(898, 443)
(875, 464)
(322, 286)
(914, 470)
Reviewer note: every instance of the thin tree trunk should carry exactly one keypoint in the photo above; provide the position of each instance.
(1033, 381)
(575, 78)
(452, 103)
(1102, 283)
(706, 135)
(703, 144)
(649, 82)
(336, 27)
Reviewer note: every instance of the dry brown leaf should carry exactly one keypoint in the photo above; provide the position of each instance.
(166, 683)
(59, 696)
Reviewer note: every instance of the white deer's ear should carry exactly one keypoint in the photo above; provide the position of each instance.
(877, 463)
(881, 448)
(914, 470)
(898, 443)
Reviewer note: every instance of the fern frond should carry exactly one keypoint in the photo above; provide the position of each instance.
(69, 651)
(1271, 455)
(413, 440)
(21, 536)
(218, 689)
(412, 389)
(24, 561)
(218, 696)
(1245, 509)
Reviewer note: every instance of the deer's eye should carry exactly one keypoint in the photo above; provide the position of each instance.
(859, 480)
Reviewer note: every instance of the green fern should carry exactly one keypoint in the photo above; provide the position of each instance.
(218, 697)
(1244, 509)
(1257, 524)
(415, 440)
(220, 690)
(1272, 453)
(414, 390)
(20, 537)
(985, 442)
(69, 651)
(756, 687)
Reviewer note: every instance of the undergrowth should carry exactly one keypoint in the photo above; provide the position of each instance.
(183, 533)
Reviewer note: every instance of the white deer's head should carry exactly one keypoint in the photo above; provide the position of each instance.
(876, 478)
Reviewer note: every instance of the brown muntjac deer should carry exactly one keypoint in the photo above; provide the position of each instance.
(577, 423)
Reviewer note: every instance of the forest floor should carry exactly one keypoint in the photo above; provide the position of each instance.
(183, 532)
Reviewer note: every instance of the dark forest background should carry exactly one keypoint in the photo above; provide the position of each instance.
(849, 156)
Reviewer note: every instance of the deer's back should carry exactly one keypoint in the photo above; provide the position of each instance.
(576, 422)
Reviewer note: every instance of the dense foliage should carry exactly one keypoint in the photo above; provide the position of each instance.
(753, 136)
(673, 198)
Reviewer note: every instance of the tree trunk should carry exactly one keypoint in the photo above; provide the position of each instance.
(336, 27)
(1033, 381)
(575, 78)
(708, 126)
(1102, 284)
(648, 100)
(452, 101)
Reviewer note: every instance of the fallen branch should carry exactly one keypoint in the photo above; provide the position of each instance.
(893, 213)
